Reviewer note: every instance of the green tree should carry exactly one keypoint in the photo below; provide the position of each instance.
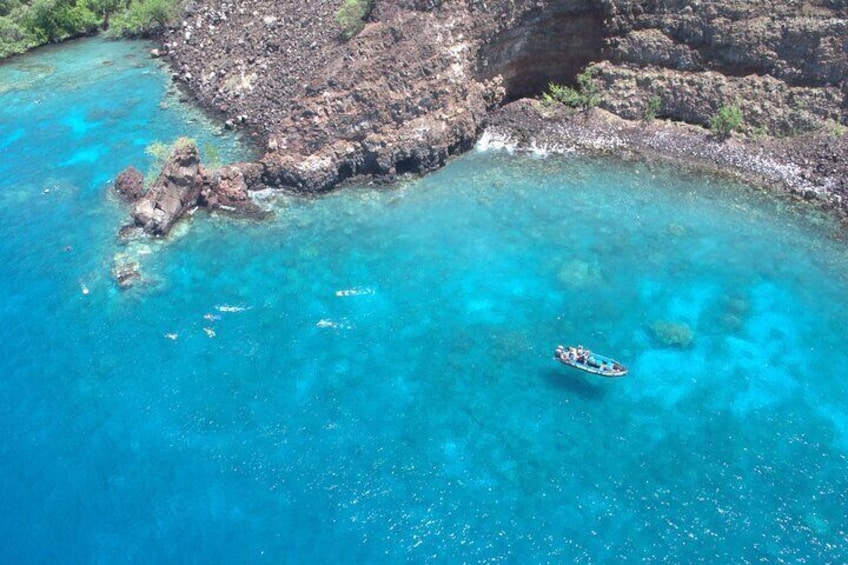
(654, 106)
(586, 96)
(588, 87)
(25, 24)
(8, 6)
(728, 119)
(54, 20)
(144, 18)
(13, 38)
(104, 9)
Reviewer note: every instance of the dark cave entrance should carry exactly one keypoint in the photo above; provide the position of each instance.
(552, 45)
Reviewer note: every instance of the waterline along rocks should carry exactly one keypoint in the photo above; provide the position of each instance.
(423, 79)
(184, 184)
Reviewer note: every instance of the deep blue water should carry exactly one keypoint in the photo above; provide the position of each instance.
(367, 377)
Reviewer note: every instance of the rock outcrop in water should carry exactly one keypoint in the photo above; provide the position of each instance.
(130, 184)
(184, 184)
(174, 192)
(420, 82)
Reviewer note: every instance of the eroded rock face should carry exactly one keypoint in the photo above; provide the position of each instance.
(783, 63)
(227, 189)
(130, 184)
(769, 105)
(802, 43)
(546, 45)
(417, 84)
(175, 191)
(185, 184)
(400, 97)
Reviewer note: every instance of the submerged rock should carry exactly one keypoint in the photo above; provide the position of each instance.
(671, 334)
(125, 270)
(577, 274)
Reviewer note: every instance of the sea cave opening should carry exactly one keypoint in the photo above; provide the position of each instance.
(550, 45)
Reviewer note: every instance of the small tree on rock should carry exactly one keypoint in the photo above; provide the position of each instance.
(728, 119)
(585, 96)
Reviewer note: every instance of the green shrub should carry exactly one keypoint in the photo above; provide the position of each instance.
(586, 96)
(729, 118)
(13, 38)
(49, 21)
(655, 104)
(835, 128)
(351, 16)
(560, 94)
(144, 18)
(588, 87)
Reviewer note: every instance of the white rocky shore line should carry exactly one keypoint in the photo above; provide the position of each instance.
(692, 147)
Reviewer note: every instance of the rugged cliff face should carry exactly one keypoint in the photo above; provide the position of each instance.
(418, 83)
(551, 43)
(785, 63)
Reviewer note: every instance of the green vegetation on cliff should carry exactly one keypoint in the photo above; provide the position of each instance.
(351, 16)
(144, 18)
(728, 119)
(25, 24)
(585, 96)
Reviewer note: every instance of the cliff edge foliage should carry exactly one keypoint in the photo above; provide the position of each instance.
(25, 24)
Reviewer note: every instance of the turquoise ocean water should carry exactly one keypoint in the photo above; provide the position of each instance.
(367, 377)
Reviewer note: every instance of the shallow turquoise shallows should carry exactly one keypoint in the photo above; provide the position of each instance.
(368, 377)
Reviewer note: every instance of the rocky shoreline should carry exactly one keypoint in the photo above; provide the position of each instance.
(812, 167)
(425, 79)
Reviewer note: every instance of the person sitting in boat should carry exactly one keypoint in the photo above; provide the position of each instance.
(559, 352)
(565, 355)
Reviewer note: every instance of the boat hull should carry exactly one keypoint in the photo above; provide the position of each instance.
(597, 365)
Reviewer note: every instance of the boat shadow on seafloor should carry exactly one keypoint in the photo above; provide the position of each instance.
(575, 383)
